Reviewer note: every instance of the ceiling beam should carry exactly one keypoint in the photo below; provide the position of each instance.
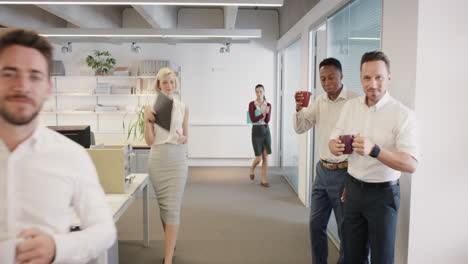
(151, 2)
(158, 16)
(88, 16)
(138, 34)
(230, 15)
(28, 17)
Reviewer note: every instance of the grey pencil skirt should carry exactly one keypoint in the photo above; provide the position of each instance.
(168, 171)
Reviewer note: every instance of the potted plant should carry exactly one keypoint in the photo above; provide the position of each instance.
(102, 62)
(136, 128)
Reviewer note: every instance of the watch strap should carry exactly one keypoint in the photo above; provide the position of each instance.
(375, 151)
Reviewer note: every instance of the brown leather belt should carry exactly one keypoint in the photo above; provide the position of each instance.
(334, 166)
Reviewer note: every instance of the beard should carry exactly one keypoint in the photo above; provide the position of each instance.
(16, 118)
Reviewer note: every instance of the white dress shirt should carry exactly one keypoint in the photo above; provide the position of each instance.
(323, 112)
(46, 179)
(389, 124)
(162, 136)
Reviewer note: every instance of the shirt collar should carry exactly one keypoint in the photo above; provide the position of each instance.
(258, 104)
(31, 142)
(342, 96)
(381, 103)
(36, 136)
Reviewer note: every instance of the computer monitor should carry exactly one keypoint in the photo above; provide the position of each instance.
(79, 134)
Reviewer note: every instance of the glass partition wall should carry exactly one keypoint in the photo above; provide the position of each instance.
(351, 32)
(290, 83)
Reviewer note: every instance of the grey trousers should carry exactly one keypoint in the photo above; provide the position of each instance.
(326, 196)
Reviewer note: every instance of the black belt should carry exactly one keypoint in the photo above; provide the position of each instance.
(373, 184)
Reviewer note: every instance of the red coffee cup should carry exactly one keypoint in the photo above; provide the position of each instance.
(348, 141)
(305, 98)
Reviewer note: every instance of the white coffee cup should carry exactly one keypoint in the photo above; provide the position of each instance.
(8, 250)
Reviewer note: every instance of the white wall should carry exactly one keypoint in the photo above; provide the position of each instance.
(217, 87)
(222, 85)
(438, 232)
(293, 11)
(401, 24)
(425, 79)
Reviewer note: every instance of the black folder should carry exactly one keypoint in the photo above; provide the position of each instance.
(163, 109)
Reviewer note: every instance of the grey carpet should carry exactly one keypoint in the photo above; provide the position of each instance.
(226, 219)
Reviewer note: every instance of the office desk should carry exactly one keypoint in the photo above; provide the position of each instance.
(119, 203)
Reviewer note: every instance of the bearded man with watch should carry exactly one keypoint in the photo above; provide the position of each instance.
(384, 145)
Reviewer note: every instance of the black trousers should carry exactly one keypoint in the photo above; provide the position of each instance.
(370, 214)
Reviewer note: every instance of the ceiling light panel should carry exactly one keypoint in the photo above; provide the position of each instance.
(267, 3)
(150, 33)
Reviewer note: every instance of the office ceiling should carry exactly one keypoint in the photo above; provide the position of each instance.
(117, 14)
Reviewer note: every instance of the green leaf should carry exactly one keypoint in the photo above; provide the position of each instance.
(101, 61)
(136, 129)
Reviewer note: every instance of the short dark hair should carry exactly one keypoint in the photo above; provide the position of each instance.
(375, 56)
(27, 38)
(331, 62)
(259, 85)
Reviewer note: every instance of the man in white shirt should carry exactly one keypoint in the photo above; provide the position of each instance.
(44, 177)
(331, 170)
(384, 145)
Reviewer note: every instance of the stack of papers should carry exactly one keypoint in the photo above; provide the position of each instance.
(120, 89)
(121, 71)
(103, 88)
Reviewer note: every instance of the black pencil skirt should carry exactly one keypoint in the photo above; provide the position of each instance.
(261, 139)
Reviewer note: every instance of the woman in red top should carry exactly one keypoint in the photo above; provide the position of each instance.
(260, 112)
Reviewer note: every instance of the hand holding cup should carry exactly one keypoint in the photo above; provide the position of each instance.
(299, 100)
(38, 247)
(336, 147)
(302, 99)
(362, 145)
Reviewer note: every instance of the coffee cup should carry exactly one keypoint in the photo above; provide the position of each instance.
(8, 250)
(305, 98)
(348, 141)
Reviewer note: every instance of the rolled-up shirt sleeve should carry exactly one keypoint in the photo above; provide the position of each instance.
(305, 119)
(407, 139)
(98, 232)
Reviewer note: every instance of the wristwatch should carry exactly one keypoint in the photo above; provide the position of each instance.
(375, 151)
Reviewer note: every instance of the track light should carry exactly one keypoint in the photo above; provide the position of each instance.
(67, 48)
(135, 48)
(226, 48)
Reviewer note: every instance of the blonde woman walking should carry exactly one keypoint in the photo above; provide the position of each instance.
(168, 160)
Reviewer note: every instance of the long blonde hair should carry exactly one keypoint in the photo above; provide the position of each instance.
(163, 72)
